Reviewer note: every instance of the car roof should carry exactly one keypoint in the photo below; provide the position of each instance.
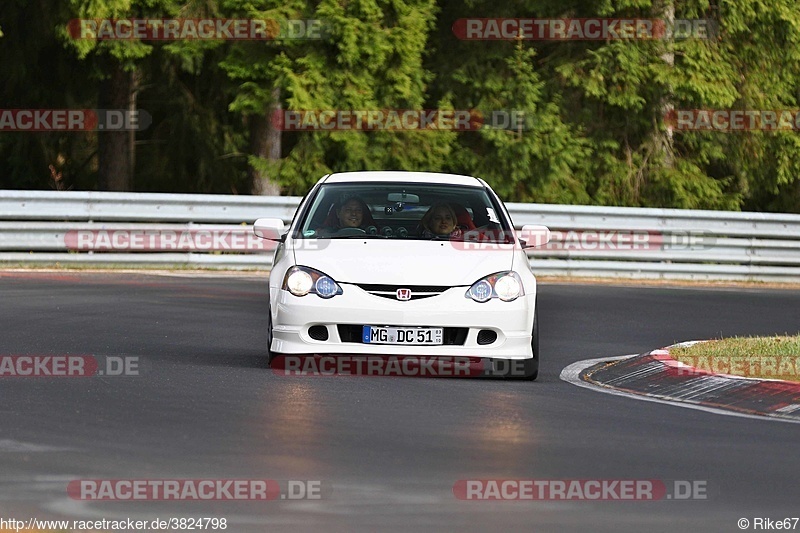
(401, 176)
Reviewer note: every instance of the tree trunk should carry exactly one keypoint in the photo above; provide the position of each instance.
(115, 149)
(665, 141)
(265, 142)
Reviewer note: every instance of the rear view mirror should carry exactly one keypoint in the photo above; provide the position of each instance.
(403, 197)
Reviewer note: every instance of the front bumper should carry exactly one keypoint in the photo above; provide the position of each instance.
(512, 322)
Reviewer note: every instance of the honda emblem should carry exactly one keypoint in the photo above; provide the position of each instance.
(403, 294)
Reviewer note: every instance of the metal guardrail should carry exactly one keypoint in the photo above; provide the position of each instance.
(142, 207)
(214, 231)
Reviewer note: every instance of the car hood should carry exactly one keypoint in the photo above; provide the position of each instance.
(389, 261)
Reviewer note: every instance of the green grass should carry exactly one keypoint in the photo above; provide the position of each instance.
(755, 357)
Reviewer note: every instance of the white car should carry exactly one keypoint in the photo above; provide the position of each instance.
(374, 264)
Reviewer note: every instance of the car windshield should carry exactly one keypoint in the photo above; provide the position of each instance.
(411, 211)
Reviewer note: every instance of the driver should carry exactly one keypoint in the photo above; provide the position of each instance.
(350, 212)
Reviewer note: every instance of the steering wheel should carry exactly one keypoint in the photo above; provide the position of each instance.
(350, 232)
(473, 235)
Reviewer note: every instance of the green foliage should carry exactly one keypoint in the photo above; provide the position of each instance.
(536, 161)
(372, 59)
(39, 73)
(127, 52)
(195, 142)
(593, 129)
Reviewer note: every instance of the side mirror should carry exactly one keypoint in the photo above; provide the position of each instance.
(532, 235)
(269, 228)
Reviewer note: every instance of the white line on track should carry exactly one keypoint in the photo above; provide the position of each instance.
(571, 374)
(15, 446)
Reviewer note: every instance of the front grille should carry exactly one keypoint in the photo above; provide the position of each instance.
(390, 291)
(450, 337)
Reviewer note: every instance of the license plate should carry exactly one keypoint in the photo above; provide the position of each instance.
(418, 336)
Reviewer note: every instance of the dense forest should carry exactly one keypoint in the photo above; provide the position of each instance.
(595, 129)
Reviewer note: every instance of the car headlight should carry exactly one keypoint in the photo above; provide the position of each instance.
(480, 291)
(506, 286)
(300, 280)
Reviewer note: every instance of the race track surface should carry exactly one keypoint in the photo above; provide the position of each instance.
(389, 449)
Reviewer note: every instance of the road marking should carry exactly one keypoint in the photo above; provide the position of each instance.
(15, 446)
(571, 374)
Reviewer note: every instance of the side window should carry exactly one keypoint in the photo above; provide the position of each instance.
(313, 210)
(321, 212)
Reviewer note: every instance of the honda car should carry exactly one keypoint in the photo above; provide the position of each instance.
(405, 264)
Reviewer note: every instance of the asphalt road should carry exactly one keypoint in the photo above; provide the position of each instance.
(387, 450)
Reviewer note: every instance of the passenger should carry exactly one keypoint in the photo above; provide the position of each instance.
(441, 221)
